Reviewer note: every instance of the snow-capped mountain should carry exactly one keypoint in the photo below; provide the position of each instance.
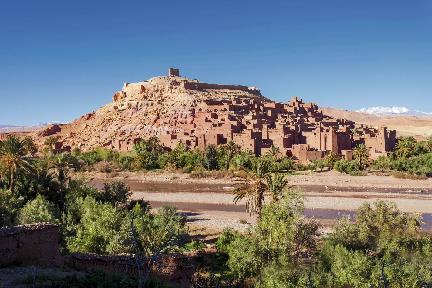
(392, 111)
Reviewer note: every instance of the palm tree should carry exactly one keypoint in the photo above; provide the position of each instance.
(361, 154)
(30, 145)
(61, 164)
(13, 157)
(50, 143)
(274, 152)
(405, 147)
(276, 184)
(230, 150)
(255, 187)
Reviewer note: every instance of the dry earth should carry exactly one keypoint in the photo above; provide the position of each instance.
(420, 127)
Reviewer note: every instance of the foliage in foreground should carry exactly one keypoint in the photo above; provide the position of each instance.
(384, 247)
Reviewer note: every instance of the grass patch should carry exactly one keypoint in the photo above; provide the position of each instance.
(404, 175)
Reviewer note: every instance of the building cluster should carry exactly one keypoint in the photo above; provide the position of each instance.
(298, 129)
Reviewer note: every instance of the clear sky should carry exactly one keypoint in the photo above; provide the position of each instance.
(61, 59)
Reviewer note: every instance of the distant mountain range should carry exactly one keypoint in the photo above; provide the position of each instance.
(393, 111)
(406, 122)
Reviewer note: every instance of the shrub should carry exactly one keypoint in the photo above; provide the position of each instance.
(210, 158)
(225, 239)
(104, 166)
(148, 152)
(126, 162)
(285, 164)
(100, 229)
(9, 207)
(90, 157)
(282, 235)
(348, 167)
(194, 245)
(382, 163)
(114, 192)
(156, 233)
(37, 211)
(244, 160)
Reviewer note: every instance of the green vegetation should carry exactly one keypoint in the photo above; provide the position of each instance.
(410, 157)
(40, 189)
(383, 247)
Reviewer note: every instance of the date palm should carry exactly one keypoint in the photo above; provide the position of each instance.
(230, 151)
(276, 183)
(13, 157)
(361, 154)
(255, 187)
(274, 152)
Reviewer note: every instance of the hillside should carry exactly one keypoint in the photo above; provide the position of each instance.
(405, 125)
(143, 109)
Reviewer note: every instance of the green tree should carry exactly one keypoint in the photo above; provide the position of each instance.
(116, 193)
(9, 207)
(37, 211)
(100, 228)
(210, 157)
(148, 152)
(282, 238)
(228, 152)
(14, 157)
(274, 153)
(30, 146)
(254, 187)
(154, 234)
(50, 143)
(276, 184)
(405, 147)
(361, 154)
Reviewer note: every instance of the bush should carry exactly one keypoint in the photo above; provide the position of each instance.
(348, 167)
(244, 160)
(101, 229)
(148, 152)
(383, 163)
(227, 237)
(285, 164)
(115, 192)
(9, 207)
(156, 233)
(90, 157)
(210, 158)
(194, 245)
(37, 211)
(384, 245)
(282, 235)
(126, 162)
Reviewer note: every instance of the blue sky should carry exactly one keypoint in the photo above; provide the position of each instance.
(61, 59)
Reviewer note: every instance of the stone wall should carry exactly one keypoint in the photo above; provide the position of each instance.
(36, 244)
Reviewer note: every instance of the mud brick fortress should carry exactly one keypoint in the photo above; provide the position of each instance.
(177, 109)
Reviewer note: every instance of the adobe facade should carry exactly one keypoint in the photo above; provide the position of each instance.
(298, 129)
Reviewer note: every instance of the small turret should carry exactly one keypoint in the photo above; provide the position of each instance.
(174, 72)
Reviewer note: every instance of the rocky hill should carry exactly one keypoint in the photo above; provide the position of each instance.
(143, 109)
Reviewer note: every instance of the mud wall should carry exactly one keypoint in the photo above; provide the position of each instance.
(36, 244)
